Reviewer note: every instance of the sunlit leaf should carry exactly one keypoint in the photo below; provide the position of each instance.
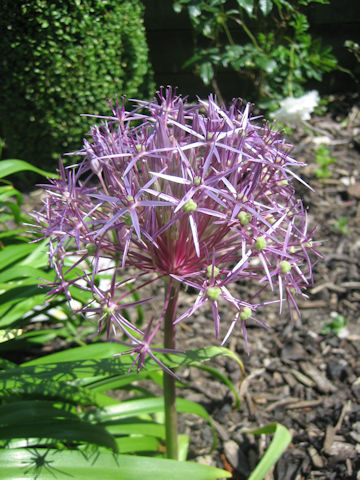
(10, 166)
(247, 5)
(278, 445)
(47, 464)
(265, 6)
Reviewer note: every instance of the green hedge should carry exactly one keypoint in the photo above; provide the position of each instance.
(63, 58)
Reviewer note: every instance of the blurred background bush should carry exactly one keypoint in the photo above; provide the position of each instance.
(61, 59)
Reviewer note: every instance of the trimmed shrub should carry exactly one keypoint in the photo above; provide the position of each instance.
(63, 58)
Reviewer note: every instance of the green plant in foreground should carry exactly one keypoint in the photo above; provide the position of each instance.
(323, 159)
(57, 419)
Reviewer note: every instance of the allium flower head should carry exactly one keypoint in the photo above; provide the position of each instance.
(189, 193)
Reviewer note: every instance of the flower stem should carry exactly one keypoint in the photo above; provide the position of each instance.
(171, 429)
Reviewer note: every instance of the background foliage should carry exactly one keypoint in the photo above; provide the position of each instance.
(61, 59)
(267, 43)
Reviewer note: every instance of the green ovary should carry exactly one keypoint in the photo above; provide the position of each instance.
(213, 292)
(190, 206)
(246, 313)
(244, 218)
(260, 243)
(285, 266)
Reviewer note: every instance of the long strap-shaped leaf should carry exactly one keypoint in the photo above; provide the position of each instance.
(281, 440)
(46, 464)
(10, 166)
(135, 408)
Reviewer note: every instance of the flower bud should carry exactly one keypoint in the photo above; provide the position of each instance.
(260, 243)
(244, 218)
(209, 271)
(246, 313)
(285, 266)
(213, 292)
(190, 206)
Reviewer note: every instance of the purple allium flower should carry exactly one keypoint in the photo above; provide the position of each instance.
(195, 194)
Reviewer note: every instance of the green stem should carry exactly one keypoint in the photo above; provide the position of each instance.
(291, 69)
(227, 33)
(171, 427)
(248, 33)
(217, 91)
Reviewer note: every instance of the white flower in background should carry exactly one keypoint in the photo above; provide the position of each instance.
(296, 110)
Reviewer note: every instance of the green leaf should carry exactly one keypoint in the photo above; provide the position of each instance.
(177, 7)
(39, 256)
(194, 11)
(24, 341)
(265, 6)
(247, 5)
(42, 419)
(137, 407)
(13, 253)
(46, 464)
(94, 364)
(104, 350)
(206, 72)
(136, 427)
(10, 166)
(22, 302)
(93, 352)
(266, 63)
(6, 364)
(24, 272)
(66, 430)
(29, 387)
(141, 443)
(278, 445)
(19, 413)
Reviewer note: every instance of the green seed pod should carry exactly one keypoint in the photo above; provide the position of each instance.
(213, 292)
(246, 313)
(190, 206)
(260, 243)
(285, 266)
(209, 270)
(270, 218)
(91, 248)
(244, 218)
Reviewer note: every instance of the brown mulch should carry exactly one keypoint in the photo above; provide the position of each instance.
(297, 375)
